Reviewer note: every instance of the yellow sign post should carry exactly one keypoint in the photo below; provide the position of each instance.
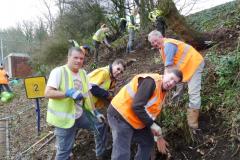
(35, 88)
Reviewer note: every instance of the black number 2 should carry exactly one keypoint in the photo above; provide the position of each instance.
(35, 86)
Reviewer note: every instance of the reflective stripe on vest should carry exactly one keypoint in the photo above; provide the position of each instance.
(149, 103)
(123, 101)
(187, 59)
(185, 51)
(66, 78)
(61, 112)
(130, 91)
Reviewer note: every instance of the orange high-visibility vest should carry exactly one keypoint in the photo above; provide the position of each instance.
(187, 59)
(123, 101)
(3, 77)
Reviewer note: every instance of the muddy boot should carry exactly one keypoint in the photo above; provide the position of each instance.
(192, 118)
(197, 136)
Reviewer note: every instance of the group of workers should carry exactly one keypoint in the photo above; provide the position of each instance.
(74, 95)
(132, 24)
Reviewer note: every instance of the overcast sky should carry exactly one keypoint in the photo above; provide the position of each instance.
(16, 11)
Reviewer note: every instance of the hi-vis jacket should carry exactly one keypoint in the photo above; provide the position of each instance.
(123, 101)
(133, 22)
(3, 77)
(61, 112)
(187, 59)
(102, 78)
(154, 14)
(99, 35)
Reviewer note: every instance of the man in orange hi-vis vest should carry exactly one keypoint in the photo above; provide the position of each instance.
(177, 54)
(4, 80)
(133, 110)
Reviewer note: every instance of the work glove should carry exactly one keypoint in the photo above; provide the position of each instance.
(179, 92)
(74, 94)
(100, 117)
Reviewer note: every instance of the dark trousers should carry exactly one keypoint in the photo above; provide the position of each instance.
(96, 46)
(161, 25)
(5, 87)
(123, 134)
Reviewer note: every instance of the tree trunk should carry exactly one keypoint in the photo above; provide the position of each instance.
(178, 24)
(143, 15)
(151, 4)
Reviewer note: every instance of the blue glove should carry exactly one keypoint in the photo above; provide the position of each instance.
(74, 94)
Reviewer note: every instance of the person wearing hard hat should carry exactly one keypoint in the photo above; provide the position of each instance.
(100, 38)
(4, 80)
(133, 111)
(132, 28)
(156, 17)
(178, 54)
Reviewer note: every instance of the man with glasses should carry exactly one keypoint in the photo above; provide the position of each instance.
(103, 82)
(132, 113)
(177, 54)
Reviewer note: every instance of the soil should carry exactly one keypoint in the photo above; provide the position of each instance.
(216, 143)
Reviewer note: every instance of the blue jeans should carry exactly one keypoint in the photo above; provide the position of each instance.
(5, 87)
(123, 134)
(65, 138)
(130, 40)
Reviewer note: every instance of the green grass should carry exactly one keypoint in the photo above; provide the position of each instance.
(225, 15)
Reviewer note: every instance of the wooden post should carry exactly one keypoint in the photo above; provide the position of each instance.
(3, 138)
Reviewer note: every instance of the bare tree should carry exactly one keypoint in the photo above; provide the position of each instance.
(49, 16)
(28, 30)
(185, 6)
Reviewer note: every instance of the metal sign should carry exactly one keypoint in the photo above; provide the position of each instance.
(35, 87)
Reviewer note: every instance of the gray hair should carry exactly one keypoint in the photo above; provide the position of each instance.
(119, 61)
(70, 50)
(154, 33)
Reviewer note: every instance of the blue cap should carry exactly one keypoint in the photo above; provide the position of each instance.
(86, 47)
